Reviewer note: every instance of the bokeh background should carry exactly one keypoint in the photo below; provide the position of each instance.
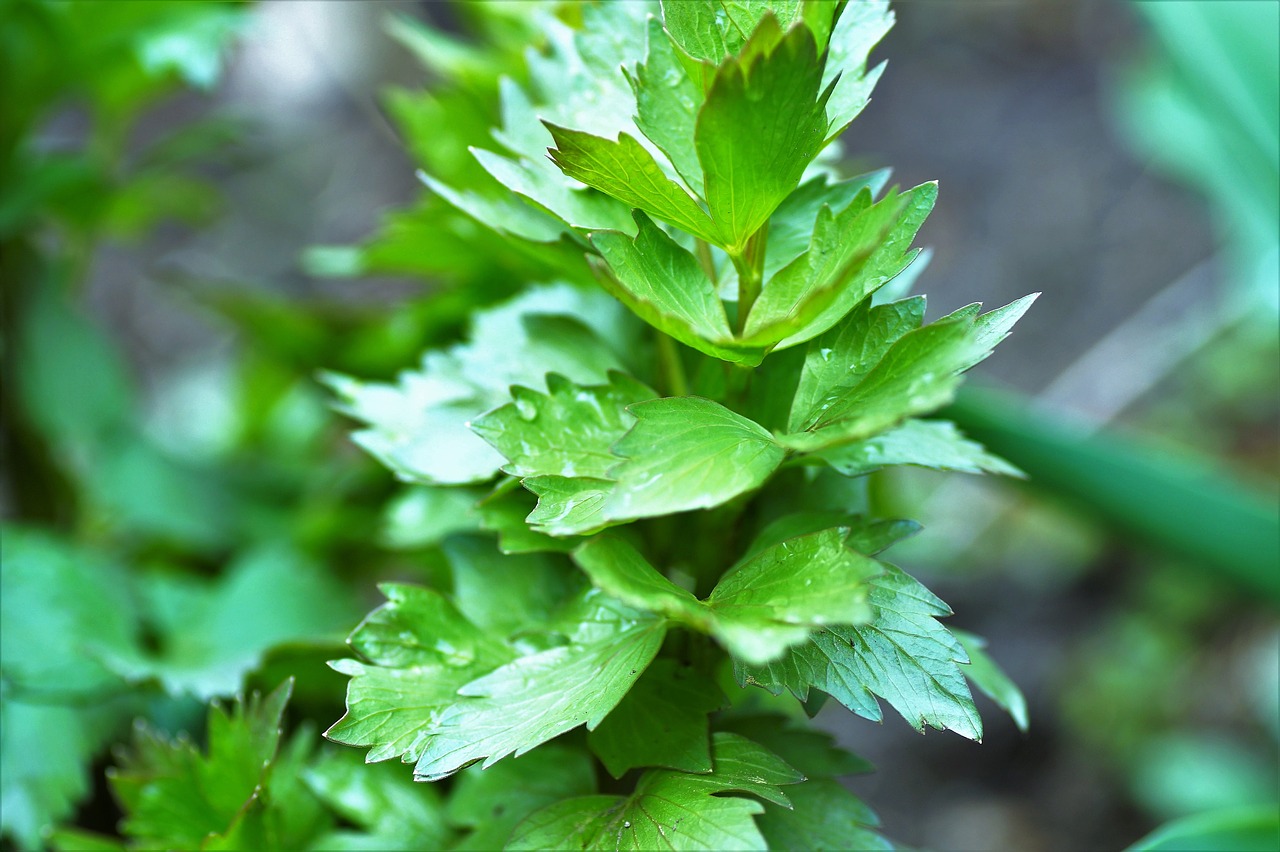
(1119, 158)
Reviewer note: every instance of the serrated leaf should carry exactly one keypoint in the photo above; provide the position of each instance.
(176, 797)
(418, 427)
(887, 262)
(762, 605)
(761, 126)
(859, 28)
(492, 802)
(669, 810)
(791, 225)
(903, 656)
(421, 652)
(983, 673)
(667, 104)
(665, 286)
(850, 255)
(917, 373)
(625, 170)
(843, 356)
(540, 696)
(688, 453)
(566, 432)
(661, 722)
(863, 535)
(934, 444)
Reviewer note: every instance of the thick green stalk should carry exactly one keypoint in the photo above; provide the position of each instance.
(750, 267)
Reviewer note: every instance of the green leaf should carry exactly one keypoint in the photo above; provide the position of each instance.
(934, 444)
(504, 511)
(983, 673)
(667, 104)
(761, 126)
(665, 286)
(540, 696)
(771, 600)
(811, 751)
(688, 453)
(542, 183)
(505, 595)
(568, 506)
(903, 656)
(669, 810)
(859, 28)
(1252, 829)
(824, 815)
(661, 722)
(850, 255)
(865, 536)
(425, 515)
(212, 633)
(918, 373)
(791, 225)
(627, 171)
(762, 605)
(174, 796)
(492, 802)
(421, 652)
(418, 428)
(44, 762)
(391, 811)
(710, 30)
(842, 357)
(63, 610)
(566, 432)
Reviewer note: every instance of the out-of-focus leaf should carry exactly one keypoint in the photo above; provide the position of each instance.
(1236, 830)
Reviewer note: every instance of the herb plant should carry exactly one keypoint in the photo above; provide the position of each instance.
(674, 462)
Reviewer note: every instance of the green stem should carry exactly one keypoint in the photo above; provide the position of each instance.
(750, 267)
(672, 366)
(707, 261)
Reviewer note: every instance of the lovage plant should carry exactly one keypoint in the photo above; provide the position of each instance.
(674, 462)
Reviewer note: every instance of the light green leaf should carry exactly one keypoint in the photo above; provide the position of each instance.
(505, 511)
(859, 28)
(919, 372)
(843, 356)
(667, 104)
(542, 183)
(492, 802)
(669, 810)
(418, 427)
(688, 453)
(851, 254)
(627, 171)
(538, 697)
(566, 432)
(421, 651)
(935, 444)
(664, 285)
(710, 30)
(791, 225)
(761, 126)
(762, 605)
(983, 673)
(568, 506)
(1251, 829)
(882, 267)
(661, 722)
(903, 656)
(424, 515)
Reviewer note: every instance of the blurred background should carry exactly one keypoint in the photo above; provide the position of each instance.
(204, 205)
